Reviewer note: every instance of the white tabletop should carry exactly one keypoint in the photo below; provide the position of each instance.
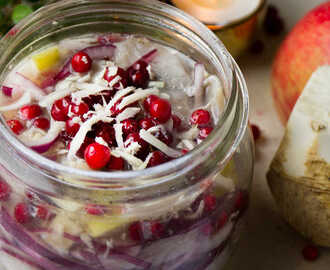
(268, 242)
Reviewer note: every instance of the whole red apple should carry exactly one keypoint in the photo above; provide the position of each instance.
(306, 48)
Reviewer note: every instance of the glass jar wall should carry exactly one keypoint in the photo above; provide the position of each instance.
(184, 214)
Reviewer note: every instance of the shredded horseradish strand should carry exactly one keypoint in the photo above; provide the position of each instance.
(79, 138)
(132, 160)
(151, 139)
(138, 95)
(23, 100)
(119, 135)
(127, 113)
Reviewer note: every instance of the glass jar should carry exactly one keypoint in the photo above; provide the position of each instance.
(184, 214)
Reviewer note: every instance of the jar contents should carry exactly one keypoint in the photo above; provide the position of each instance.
(111, 103)
(115, 103)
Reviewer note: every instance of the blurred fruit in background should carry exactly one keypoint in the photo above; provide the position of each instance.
(12, 11)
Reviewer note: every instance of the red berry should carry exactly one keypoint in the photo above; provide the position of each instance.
(129, 126)
(135, 231)
(310, 253)
(222, 220)
(135, 137)
(200, 117)
(15, 126)
(115, 108)
(241, 201)
(72, 127)
(81, 62)
(256, 132)
(94, 210)
(115, 72)
(42, 212)
(29, 112)
(161, 110)
(5, 191)
(60, 109)
(204, 132)
(138, 74)
(147, 123)
(42, 123)
(79, 109)
(81, 151)
(116, 164)
(157, 158)
(147, 102)
(210, 202)
(97, 155)
(164, 135)
(176, 122)
(184, 151)
(21, 213)
(107, 133)
(157, 229)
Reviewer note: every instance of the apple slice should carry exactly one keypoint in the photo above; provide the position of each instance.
(299, 175)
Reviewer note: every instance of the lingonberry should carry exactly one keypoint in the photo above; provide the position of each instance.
(161, 110)
(147, 123)
(157, 158)
(135, 137)
(81, 62)
(176, 122)
(60, 109)
(147, 102)
(5, 191)
(71, 126)
(138, 74)
(79, 109)
(97, 155)
(204, 132)
(29, 112)
(107, 133)
(210, 202)
(200, 117)
(310, 252)
(22, 213)
(116, 164)
(164, 135)
(95, 210)
(42, 123)
(129, 126)
(135, 231)
(42, 212)
(118, 74)
(16, 126)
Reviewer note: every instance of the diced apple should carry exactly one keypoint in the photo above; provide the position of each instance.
(47, 59)
(98, 226)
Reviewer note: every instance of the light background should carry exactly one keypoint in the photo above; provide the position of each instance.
(268, 242)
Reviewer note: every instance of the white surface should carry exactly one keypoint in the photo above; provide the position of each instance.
(268, 242)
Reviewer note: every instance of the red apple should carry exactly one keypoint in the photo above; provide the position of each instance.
(306, 48)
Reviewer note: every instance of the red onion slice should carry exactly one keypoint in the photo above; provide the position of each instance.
(43, 144)
(146, 58)
(7, 91)
(20, 258)
(111, 38)
(100, 52)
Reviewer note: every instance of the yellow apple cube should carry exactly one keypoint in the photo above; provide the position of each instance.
(98, 226)
(47, 59)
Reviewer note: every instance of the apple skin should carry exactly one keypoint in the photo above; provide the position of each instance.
(305, 49)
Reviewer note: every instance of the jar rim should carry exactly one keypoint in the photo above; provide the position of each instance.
(167, 168)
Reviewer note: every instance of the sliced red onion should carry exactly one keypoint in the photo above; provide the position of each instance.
(20, 258)
(7, 91)
(130, 259)
(147, 57)
(43, 144)
(35, 250)
(29, 86)
(111, 38)
(64, 72)
(100, 52)
(42, 148)
(198, 84)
